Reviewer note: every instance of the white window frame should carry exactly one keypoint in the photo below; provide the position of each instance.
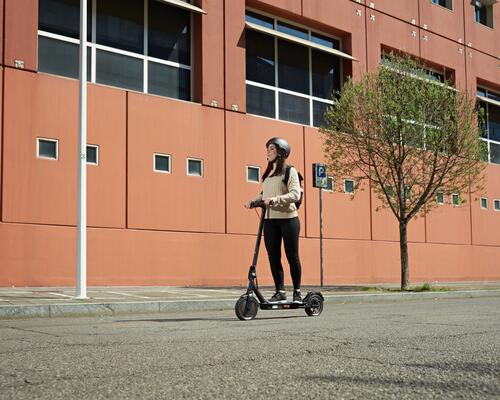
(144, 57)
(169, 157)
(481, 203)
(353, 186)
(56, 141)
(493, 103)
(437, 199)
(248, 168)
(96, 154)
(457, 196)
(446, 8)
(496, 202)
(277, 90)
(187, 167)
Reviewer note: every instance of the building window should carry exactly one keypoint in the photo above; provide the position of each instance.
(455, 199)
(329, 184)
(483, 12)
(194, 167)
(161, 163)
(484, 203)
(496, 205)
(430, 74)
(348, 186)
(92, 154)
(291, 71)
(47, 148)
(253, 174)
(440, 198)
(489, 101)
(141, 45)
(444, 3)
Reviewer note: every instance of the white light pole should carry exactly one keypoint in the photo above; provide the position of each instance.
(81, 261)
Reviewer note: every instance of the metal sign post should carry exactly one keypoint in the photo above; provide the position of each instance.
(320, 180)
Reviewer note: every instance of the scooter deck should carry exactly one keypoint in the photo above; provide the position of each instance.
(281, 306)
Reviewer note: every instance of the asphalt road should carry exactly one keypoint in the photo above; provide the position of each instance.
(439, 349)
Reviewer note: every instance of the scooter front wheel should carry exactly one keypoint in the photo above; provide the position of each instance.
(246, 307)
(314, 305)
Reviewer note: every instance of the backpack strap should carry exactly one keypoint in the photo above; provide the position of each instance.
(287, 174)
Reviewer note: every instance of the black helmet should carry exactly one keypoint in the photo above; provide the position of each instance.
(280, 143)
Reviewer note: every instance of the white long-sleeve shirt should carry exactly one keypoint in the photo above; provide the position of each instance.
(283, 196)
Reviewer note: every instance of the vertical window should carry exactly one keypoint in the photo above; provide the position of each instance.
(455, 199)
(290, 79)
(47, 148)
(194, 167)
(483, 12)
(253, 174)
(348, 186)
(444, 3)
(484, 203)
(329, 184)
(440, 198)
(496, 205)
(141, 45)
(489, 101)
(92, 154)
(161, 163)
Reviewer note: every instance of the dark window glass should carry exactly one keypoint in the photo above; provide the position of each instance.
(293, 67)
(169, 33)
(260, 58)
(162, 163)
(60, 58)
(494, 153)
(120, 24)
(444, 3)
(325, 41)
(293, 109)
(481, 92)
(494, 96)
(259, 20)
(165, 80)
(484, 202)
(497, 205)
(319, 109)
(349, 186)
(483, 121)
(440, 198)
(325, 74)
(253, 174)
(119, 70)
(47, 148)
(494, 122)
(293, 30)
(92, 154)
(261, 101)
(62, 17)
(484, 15)
(194, 167)
(329, 184)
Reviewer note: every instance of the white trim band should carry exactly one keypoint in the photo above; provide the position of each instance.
(184, 5)
(297, 40)
(488, 100)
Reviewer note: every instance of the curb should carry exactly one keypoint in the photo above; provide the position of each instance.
(110, 309)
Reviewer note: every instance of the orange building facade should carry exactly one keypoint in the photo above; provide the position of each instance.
(173, 163)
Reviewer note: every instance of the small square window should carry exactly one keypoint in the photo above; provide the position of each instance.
(349, 186)
(92, 154)
(455, 199)
(484, 203)
(194, 167)
(444, 3)
(329, 184)
(253, 174)
(496, 205)
(47, 148)
(161, 163)
(440, 198)
(483, 12)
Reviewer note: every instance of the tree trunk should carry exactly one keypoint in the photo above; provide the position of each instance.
(403, 247)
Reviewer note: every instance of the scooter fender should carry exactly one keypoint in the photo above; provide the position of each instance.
(308, 296)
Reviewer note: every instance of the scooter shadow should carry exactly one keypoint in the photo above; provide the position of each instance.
(198, 319)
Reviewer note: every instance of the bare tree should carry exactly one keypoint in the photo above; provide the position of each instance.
(409, 135)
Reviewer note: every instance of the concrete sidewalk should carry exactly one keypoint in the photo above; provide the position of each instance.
(34, 302)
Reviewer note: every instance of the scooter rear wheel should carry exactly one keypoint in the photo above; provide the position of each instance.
(246, 308)
(314, 305)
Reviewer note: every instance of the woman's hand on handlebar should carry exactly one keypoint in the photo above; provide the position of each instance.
(268, 202)
(248, 204)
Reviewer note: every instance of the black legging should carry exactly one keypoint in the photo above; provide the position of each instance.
(274, 231)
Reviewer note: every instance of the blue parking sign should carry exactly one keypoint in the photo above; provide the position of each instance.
(320, 176)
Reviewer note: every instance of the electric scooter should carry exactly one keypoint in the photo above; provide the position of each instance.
(248, 305)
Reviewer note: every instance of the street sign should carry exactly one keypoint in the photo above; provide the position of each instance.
(320, 179)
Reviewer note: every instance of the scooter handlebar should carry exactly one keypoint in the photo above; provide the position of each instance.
(259, 203)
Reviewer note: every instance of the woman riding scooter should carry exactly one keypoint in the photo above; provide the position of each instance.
(282, 221)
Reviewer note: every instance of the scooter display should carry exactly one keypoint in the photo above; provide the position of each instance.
(248, 305)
